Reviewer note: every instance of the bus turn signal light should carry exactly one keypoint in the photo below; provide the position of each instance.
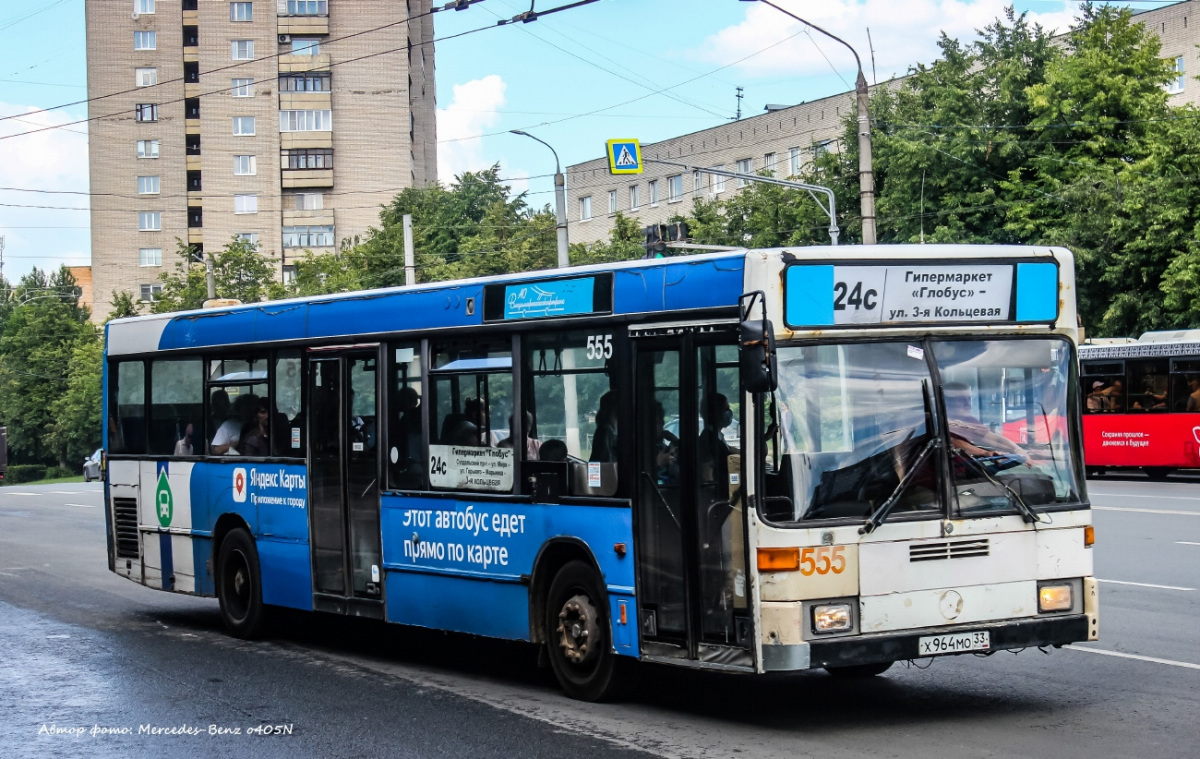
(1089, 536)
(778, 559)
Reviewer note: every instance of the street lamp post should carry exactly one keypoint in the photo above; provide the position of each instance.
(560, 201)
(866, 180)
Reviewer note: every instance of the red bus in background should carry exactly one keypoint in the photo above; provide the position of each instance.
(1141, 403)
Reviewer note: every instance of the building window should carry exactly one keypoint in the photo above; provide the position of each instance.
(675, 188)
(243, 125)
(147, 148)
(143, 6)
(306, 46)
(1175, 86)
(697, 182)
(305, 121)
(310, 201)
(145, 112)
(306, 158)
(244, 165)
(612, 201)
(794, 162)
(821, 148)
(307, 237)
(146, 77)
(149, 221)
(304, 82)
(145, 40)
(653, 192)
(150, 257)
(307, 7)
(150, 293)
(241, 50)
(769, 163)
(245, 204)
(250, 238)
(635, 201)
(745, 166)
(241, 11)
(147, 185)
(718, 181)
(585, 208)
(242, 88)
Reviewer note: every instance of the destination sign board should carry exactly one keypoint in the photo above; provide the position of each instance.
(895, 294)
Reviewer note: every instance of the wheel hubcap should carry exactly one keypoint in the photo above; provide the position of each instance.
(578, 626)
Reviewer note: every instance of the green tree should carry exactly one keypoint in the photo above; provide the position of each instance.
(624, 244)
(74, 431)
(44, 327)
(239, 271)
(123, 305)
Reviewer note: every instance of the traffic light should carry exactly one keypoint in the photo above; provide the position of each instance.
(658, 235)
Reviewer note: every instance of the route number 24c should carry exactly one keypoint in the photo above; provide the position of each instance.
(844, 295)
(822, 560)
(599, 346)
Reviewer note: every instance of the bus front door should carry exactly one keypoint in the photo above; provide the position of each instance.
(690, 521)
(343, 482)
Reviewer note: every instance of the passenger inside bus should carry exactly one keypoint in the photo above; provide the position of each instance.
(225, 440)
(713, 451)
(532, 444)
(604, 444)
(971, 436)
(1193, 401)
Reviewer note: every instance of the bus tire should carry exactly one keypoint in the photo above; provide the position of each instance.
(578, 632)
(860, 670)
(239, 586)
(1157, 473)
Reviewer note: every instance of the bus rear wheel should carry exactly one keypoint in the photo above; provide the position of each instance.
(860, 670)
(239, 586)
(577, 634)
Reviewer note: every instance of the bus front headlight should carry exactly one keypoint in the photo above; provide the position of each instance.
(1055, 598)
(829, 618)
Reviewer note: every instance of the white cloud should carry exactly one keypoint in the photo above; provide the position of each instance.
(56, 160)
(900, 33)
(474, 110)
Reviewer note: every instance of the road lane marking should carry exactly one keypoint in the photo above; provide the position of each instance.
(81, 505)
(1148, 511)
(1156, 497)
(1187, 543)
(1153, 659)
(6, 492)
(1144, 584)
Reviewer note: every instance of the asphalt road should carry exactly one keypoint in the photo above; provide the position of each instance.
(83, 651)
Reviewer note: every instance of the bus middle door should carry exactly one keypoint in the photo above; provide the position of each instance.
(343, 415)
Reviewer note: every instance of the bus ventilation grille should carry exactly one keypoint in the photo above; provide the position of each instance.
(126, 527)
(963, 549)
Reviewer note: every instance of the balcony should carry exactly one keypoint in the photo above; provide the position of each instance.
(300, 179)
(295, 64)
(294, 140)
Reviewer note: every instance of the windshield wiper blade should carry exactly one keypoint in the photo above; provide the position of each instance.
(885, 508)
(1027, 512)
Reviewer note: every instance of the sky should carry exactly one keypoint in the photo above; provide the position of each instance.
(647, 69)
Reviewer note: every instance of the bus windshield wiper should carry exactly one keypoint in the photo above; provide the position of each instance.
(1027, 512)
(886, 507)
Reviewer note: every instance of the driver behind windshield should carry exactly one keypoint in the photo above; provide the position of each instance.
(971, 436)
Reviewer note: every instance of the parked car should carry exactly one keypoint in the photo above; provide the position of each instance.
(91, 466)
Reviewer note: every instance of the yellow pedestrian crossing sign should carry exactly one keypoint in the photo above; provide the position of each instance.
(624, 157)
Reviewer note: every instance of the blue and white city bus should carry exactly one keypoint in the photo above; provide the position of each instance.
(755, 461)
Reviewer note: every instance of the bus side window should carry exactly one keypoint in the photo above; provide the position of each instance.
(127, 413)
(470, 401)
(567, 377)
(406, 463)
(287, 422)
(176, 407)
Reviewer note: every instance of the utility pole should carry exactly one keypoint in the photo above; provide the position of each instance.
(866, 178)
(560, 202)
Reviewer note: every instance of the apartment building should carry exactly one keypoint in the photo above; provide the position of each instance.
(286, 123)
(784, 140)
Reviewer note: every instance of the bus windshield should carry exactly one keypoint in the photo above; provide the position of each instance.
(858, 426)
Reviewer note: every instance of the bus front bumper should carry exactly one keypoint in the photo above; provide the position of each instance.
(852, 650)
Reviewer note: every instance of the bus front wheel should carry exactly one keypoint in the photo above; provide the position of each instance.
(239, 586)
(577, 634)
(860, 670)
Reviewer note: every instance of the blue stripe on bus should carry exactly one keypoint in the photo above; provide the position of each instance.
(674, 285)
(441, 580)
(1037, 292)
(167, 560)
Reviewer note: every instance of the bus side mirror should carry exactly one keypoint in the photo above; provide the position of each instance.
(756, 347)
